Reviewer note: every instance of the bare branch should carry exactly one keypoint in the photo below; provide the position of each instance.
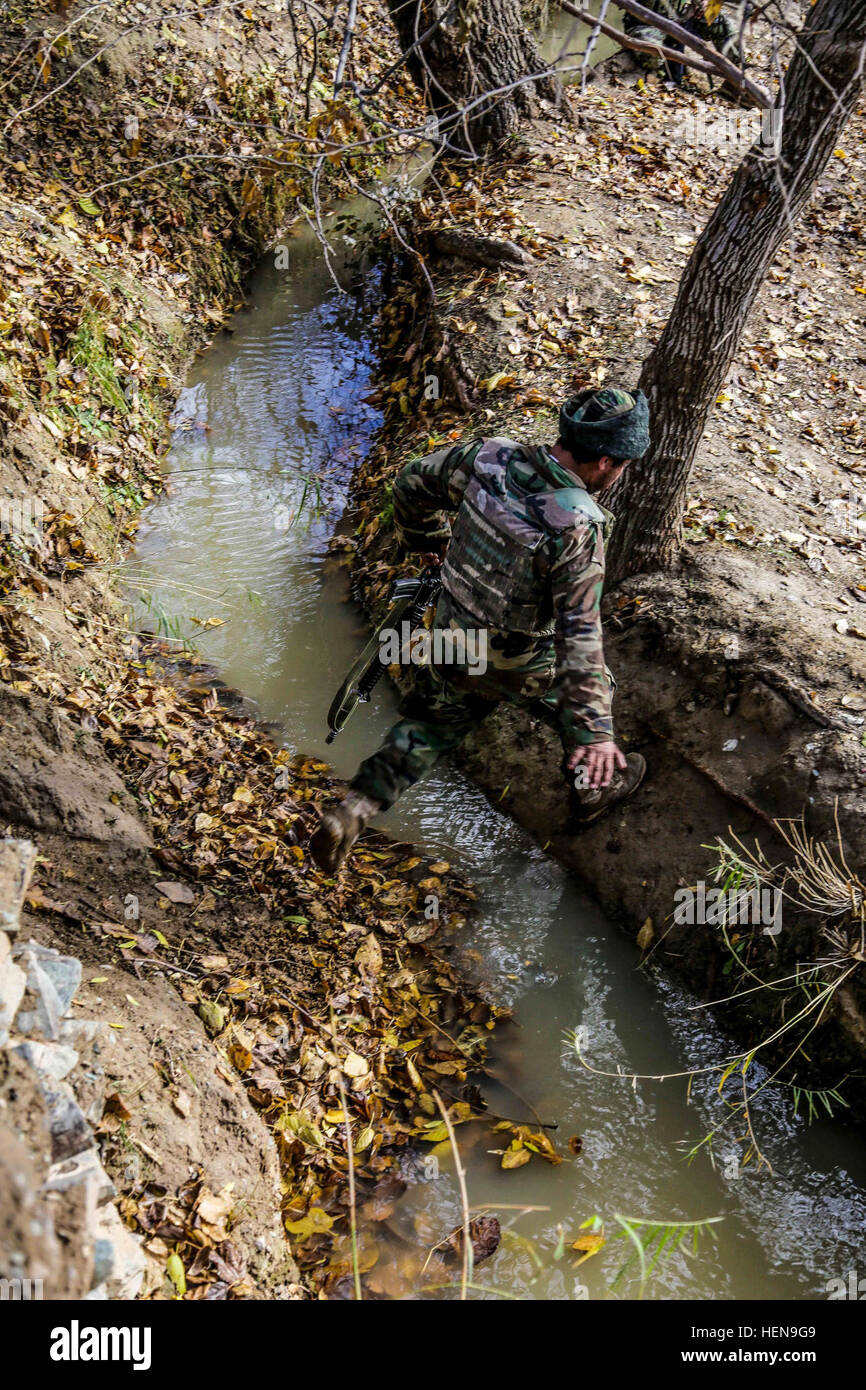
(715, 61)
(347, 44)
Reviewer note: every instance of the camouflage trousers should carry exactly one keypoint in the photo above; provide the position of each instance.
(443, 708)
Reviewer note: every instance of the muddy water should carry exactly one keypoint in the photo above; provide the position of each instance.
(565, 41)
(282, 392)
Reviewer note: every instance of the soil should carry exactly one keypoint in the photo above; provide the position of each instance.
(273, 1028)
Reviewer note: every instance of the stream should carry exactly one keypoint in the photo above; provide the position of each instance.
(239, 537)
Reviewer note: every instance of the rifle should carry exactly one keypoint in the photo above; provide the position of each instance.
(408, 602)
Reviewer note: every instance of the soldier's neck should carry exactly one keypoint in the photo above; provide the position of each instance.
(565, 460)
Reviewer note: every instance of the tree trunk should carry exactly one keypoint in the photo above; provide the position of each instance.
(686, 370)
(466, 57)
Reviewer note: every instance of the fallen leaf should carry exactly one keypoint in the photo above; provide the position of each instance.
(176, 892)
(314, 1223)
(176, 1273)
(515, 1155)
(368, 956)
(645, 935)
(355, 1065)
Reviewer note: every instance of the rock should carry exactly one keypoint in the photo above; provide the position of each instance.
(63, 971)
(103, 1260)
(52, 1061)
(80, 1032)
(17, 858)
(70, 1132)
(126, 1271)
(13, 982)
(82, 1168)
(29, 1248)
(53, 979)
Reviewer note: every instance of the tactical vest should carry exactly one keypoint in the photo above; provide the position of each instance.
(499, 557)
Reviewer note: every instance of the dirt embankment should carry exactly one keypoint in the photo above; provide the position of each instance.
(740, 676)
(261, 1013)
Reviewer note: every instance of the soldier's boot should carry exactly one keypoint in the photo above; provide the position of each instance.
(593, 802)
(339, 828)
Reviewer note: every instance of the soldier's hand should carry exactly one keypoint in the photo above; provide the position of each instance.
(432, 557)
(600, 761)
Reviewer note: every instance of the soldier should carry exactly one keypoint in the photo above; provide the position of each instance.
(525, 564)
(691, 15)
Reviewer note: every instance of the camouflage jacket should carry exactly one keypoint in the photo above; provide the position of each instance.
(719, 31)
(525, 561)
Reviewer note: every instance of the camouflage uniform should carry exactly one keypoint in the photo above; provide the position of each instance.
(718, 32)
(525, 563)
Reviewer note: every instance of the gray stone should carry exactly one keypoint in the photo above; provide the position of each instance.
(12, 985)
(90, 1089)
(127, 1272)
(78, 1032)
(54, 980)
(70, 1132)
(52, 1061)
(82, 1168)
(103, 1259)
(17, 858)
(64, 972)
(92, 1041)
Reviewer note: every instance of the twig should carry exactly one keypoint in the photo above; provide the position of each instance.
(464, 1198)
(639, 45)
(347, 44)
(799, 698)
(710, 56)
(353, 1214)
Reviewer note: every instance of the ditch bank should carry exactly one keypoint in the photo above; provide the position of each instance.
(740, 675)
(261, 1028)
